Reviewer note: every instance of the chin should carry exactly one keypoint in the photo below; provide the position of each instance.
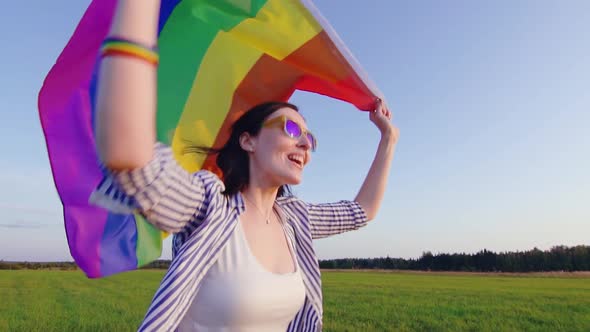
(292, 180)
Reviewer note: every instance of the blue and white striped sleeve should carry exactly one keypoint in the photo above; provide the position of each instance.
(334, 218)
(164, 192)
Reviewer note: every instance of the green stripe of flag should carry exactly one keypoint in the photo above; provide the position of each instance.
(183, 42)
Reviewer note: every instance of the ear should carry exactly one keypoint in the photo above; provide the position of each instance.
(247, 142)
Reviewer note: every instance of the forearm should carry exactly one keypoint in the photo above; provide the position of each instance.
(371, 193)
(126, 98)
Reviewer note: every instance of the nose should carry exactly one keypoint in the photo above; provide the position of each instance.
(304, 142)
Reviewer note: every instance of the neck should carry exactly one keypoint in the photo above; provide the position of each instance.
(261, 189)
(263, 197)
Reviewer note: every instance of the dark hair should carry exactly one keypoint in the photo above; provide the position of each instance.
(231, 159)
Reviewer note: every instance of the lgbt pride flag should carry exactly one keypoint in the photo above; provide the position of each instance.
(217, 59)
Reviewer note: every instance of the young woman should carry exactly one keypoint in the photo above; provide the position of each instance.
(243, 258)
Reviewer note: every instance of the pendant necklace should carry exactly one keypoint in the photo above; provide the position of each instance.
(261, 213)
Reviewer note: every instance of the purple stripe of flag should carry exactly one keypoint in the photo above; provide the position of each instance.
(64, 111)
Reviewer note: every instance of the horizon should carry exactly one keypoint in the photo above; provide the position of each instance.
(491, 100)
(430, 255)
(484, 250)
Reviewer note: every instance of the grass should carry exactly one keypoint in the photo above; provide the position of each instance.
(439, 302)
(353, 301)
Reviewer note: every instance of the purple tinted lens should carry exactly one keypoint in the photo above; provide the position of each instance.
(293, 129)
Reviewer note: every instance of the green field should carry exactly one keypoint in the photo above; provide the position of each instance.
(354, 301)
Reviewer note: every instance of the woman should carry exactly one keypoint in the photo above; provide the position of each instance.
(243, 256)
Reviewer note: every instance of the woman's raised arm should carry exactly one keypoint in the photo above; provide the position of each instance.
(126, 102)
(373, 188)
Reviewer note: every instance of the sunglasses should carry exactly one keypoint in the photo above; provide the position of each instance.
(292, 129)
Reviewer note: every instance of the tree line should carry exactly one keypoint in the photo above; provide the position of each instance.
(37, 265)
(558, 258)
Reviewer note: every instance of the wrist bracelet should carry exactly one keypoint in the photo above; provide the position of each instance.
(115, 46)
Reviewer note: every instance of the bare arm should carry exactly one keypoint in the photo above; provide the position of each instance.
(126, 102)
(371, 193)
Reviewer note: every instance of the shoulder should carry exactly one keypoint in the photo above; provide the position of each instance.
(294, 207)
(290, 201)
(209, 180)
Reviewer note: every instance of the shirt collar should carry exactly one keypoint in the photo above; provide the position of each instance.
(237, 202)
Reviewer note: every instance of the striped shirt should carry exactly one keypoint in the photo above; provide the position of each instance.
(202, 218)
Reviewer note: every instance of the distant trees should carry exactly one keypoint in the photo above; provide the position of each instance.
(159, 264)
(38, 265)
(558, 258)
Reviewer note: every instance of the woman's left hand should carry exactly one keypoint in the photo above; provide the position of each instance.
(371, 193)
(381, 117)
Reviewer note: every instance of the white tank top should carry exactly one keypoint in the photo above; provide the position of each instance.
(239, 294)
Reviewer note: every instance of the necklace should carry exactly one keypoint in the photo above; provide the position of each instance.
(262, 213)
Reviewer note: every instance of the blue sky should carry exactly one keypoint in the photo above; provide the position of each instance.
(491, 99)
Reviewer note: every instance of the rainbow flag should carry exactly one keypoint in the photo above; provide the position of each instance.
(217, 59)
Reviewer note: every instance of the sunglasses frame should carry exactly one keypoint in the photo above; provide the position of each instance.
(282, 121)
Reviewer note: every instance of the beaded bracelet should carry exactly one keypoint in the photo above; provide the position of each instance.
(124, 47)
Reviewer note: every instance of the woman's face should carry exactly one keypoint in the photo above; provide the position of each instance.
(276, 157)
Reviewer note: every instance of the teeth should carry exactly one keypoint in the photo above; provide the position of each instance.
(296, 158)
